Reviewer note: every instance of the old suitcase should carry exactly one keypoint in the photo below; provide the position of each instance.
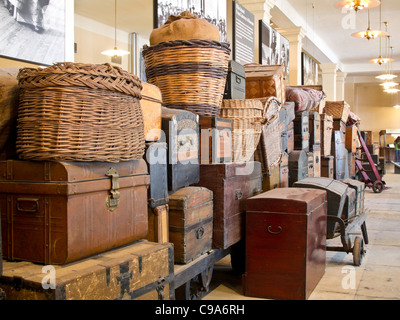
(337, 193)
(157, 158)
(327, 167)
(290, 138)
(340, 153)
(271, 178)
(215, 140)
(339, 110)
(310, 159)
(265, 81)
(359, 187)
(352, 139)
(158, 224)
(317, 160)
(301, 131)
(140, 271)
(298, 166)
(181, 129)
(315, 128)
(190, 223)
(326, 135)
(285, 243)
(235, 87)
(151, 107)
(230, 184)
(58, 212)
(284, 171)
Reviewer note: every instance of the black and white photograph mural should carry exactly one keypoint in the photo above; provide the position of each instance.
(214, 11)
(309, 70)
(33, 30)
(274, 48)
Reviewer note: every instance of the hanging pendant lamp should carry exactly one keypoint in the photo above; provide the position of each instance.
(115, 52)
(358, 5)
(369, 34)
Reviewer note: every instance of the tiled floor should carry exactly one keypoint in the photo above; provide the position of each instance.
(377, 278)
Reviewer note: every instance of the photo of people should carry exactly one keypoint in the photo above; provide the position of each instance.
(274, 48)
(309, 70)
(33, 30)
(214, 11)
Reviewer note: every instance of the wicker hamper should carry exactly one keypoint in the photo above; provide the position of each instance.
(339, 110)
(80, 112)
(246, 116)
(191, 74)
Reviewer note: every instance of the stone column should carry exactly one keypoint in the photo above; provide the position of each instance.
(262, 11)
(329, 77)
(295, 36)
(340, 80)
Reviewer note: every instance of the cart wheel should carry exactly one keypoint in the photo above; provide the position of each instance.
(377, 186)
(358, 251)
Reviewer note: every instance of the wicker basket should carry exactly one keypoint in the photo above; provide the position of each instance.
(190, 74)
(246, 116)
(339, 110)
(79, 112)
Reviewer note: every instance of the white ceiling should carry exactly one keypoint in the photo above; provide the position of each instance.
(327, 38)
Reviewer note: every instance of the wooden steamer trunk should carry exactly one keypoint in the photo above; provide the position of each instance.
(235, 87)
(298, 166)
(317, 160)
(191, 223)
(285, 243)
(58, 212)
(158, 224)
(315, 128)
(231, 186)
(339, 110)
(310, 160)
(215, 140)
(140, 271)
(327, 167)
(301, 131)
(337, 193)
(326, 135)
(265, 81)
(151, 107)
(181, 129)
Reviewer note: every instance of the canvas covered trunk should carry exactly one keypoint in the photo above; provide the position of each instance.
(141, 271)
(191, 223)
(58, 212)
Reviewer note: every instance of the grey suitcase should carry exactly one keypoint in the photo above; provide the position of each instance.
(337, 196)
(301, 131)
(340, 153)
(298, 166)
(359, 188)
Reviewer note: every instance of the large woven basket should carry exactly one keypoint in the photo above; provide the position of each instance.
(80, 112)
(339, 110)
(246, 116)
(190, 74)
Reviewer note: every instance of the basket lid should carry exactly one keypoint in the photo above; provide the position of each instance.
(69, 74)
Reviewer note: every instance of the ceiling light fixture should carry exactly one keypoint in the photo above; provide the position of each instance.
(115, 52)
(391, 90)
(389, 85)
(358, 5)
(397, 106)
(369, 34)
(386, 76)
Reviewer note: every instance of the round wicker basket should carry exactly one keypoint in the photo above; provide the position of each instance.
(79, 112)
(190, 74)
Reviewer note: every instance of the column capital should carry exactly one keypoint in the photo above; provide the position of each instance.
(329, 68)
(293, 34)
(341, 76)
(260, 8)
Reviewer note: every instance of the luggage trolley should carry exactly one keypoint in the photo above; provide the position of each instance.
(375, 181)
(352, 240)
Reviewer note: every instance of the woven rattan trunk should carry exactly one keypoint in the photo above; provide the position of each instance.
(265, 81)
(59, 212)
(339, 110)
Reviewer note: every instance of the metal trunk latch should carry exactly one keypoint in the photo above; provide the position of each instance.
(112, 200)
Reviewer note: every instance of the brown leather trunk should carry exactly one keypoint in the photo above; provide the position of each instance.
(230, 184)
(140, 271)
(352, 139)
(58, 212)
(315, 128)
(215, 140)
(285, 243)
(327, 167)
(190, 223)
(158, 224)
(151, 107)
